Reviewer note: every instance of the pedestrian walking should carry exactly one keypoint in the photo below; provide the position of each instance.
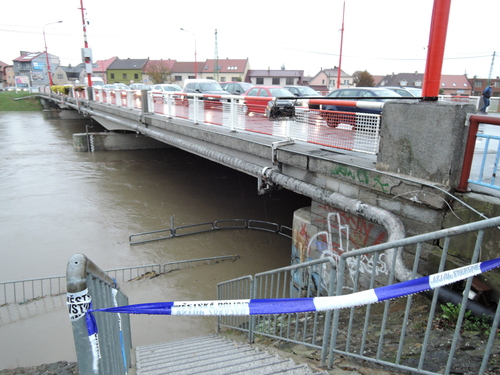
(486, 98)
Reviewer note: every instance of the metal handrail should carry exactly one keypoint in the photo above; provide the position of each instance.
(474, 120)
(265, 226)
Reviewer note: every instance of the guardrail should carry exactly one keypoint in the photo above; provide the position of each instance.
(211, 226)
(489, 158)
(402, 334)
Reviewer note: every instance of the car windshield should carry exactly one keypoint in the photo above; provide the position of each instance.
(387, 93)
(276, 93)
(307, 91)
(210, 86)
(415, 92)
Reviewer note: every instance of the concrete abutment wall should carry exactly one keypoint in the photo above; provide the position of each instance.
(417, 171)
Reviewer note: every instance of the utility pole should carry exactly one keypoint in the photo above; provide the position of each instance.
(491, 68)
(341, 43)
(86, 50)
(216, 58)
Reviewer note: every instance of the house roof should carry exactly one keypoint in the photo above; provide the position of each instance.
(460, 82)
(416, 80)
(103, 65)
(402, 79)
(186, 66)
(128, 64)
(27, 56)
(226, 65)
(275, 73)
(334, 72)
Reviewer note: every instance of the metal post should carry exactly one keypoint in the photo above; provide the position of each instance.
(435, 50)
(51, 83)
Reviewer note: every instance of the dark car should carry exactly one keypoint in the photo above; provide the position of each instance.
(207, 87)
(354, 94)
(236, 88)
(302, 91)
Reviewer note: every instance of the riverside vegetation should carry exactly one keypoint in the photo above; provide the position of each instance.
(19, 101)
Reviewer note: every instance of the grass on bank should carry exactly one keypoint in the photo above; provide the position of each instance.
(7, 102)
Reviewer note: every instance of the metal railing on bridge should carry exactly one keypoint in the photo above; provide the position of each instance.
(404, 334)
(358, 132)
(483, 149)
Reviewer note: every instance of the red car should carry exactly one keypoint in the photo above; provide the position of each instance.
(256, 98)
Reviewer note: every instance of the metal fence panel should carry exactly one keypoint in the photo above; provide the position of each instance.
(412, 333)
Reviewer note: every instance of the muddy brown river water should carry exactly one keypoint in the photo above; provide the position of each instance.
(55, 202)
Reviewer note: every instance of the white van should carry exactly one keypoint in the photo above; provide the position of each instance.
(96, 81)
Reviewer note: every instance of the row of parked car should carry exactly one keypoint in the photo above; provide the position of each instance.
(258, 96)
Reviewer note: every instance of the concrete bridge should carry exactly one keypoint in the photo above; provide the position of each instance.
(381, 177)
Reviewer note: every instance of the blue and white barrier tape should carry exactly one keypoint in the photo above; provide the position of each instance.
(295, 305)
(80, 304)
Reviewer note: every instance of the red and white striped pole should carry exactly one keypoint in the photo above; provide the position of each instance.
(86, 45)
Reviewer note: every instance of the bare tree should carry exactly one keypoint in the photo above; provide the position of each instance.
(158, 71)
(363, 79)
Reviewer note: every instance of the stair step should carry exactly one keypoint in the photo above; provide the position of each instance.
(214, 355)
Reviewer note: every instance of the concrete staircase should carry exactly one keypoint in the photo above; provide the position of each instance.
(214, 355)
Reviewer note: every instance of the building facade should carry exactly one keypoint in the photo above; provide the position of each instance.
(280, 77)
(326, 80)
(34, 66)
(126, 71)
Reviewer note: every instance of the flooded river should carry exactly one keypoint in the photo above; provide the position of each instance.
(55, 202)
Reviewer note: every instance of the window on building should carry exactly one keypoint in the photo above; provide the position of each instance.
(496, 84)
(60, 76)
(259, 81)
(210, 77)
(178, 78)
(234, 79)
(289, 81)
(124, 76)
(346, 82)
(478, 84)
(223, 79)
(276, 81)
(136, 76)
(417, 83)
(112, 75)
(403, 82)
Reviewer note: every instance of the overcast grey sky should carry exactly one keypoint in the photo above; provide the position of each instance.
(381, 36)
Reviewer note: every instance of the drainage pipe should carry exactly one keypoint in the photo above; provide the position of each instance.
(388, 220)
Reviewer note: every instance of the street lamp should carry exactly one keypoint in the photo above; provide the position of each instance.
(46, 54)
(195, 65)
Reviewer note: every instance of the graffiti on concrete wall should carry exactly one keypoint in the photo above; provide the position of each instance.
(361, 176)
(334, 242)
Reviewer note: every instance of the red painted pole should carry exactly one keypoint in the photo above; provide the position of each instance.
(435, 50)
